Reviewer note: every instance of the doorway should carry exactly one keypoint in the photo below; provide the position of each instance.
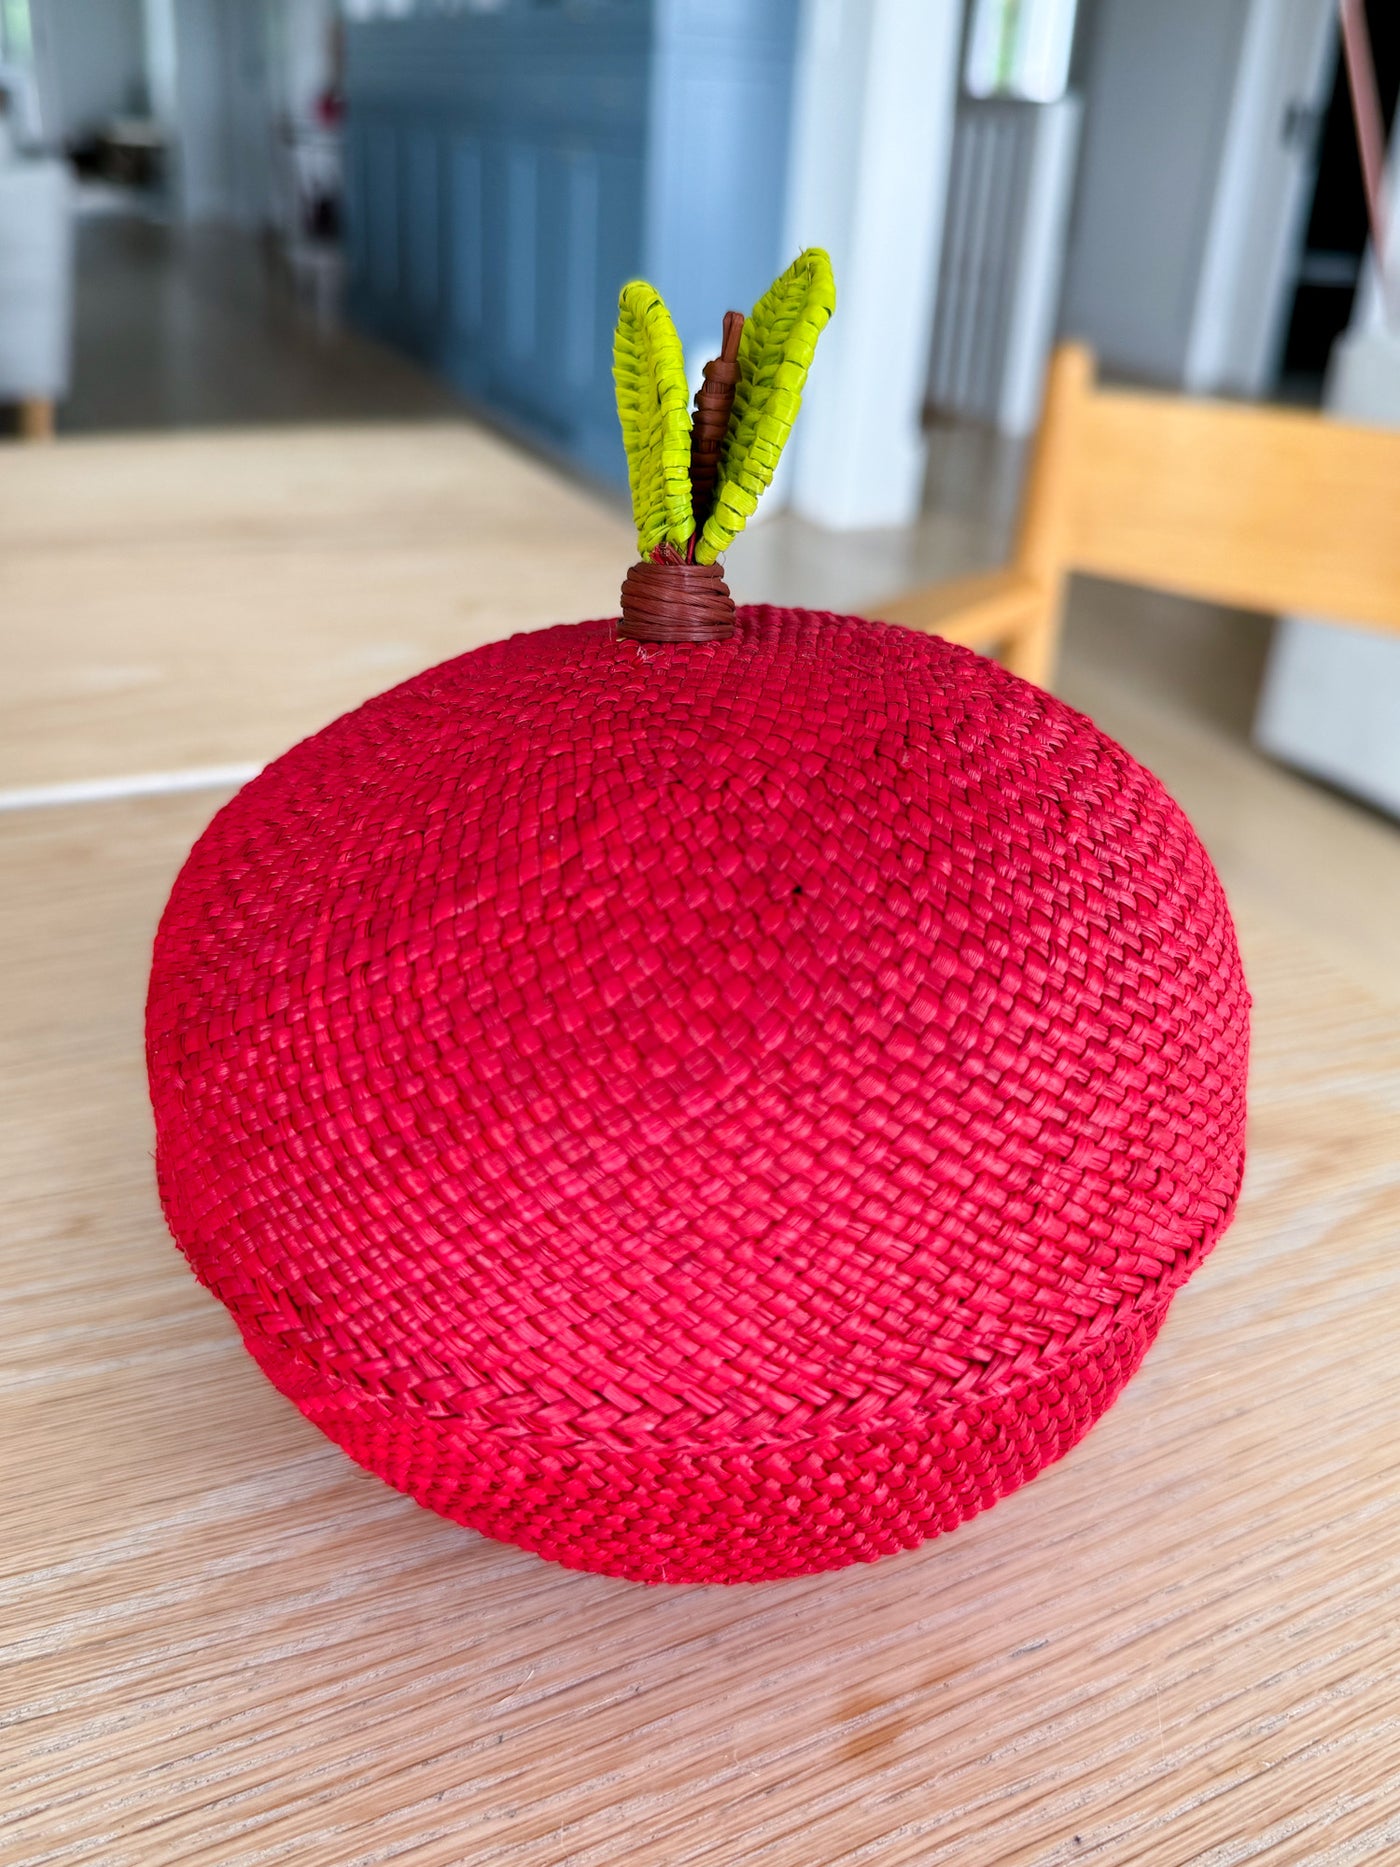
(1328, 264)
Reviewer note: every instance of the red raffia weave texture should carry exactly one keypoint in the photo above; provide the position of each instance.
(701, 1113)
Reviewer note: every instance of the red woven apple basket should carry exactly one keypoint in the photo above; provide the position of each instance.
(703, 1110)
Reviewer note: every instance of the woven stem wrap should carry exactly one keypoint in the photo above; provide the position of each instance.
(664, 599)
(714, 403)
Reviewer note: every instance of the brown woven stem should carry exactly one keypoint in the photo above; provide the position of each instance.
(664, 599)
(714, 401)
(667, 598)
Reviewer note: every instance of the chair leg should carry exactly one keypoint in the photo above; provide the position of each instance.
(1033, 651)
(36, 419)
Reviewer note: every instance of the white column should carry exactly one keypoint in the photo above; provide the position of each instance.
(162, 80)
(872, 132)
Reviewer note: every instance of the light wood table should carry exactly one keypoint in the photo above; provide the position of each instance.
(204, 600)
(222, 1644)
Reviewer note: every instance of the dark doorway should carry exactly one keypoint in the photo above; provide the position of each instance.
(1335, 241)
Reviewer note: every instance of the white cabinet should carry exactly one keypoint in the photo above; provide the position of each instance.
(1331, 699)
(36, 280)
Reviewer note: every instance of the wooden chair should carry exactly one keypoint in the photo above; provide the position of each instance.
(1260, 508)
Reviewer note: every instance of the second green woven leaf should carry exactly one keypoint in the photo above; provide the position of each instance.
(775, 353)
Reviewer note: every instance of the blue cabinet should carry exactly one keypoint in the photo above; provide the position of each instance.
(508, 171)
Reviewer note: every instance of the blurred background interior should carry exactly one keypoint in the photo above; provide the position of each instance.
(217, 213)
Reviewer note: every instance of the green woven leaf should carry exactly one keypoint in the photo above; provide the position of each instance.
(653, 405)
(775, 353)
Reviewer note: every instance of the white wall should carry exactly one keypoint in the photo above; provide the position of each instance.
(302, 32)
(1159, 81)
(243, 67)
(1261, 203)
(161, 75)
(873, 126)
(224, 111)
(89, 63)
(1191, 199)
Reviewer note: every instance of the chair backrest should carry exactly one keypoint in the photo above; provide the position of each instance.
(1259, 508)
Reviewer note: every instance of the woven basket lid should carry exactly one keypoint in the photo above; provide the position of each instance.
(701, 1113)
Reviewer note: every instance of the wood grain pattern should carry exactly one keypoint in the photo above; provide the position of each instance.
(1269, 509)
(291, 575)
(223, 1645)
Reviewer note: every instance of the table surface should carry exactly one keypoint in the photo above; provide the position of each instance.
(224, 1644)
(204, 600)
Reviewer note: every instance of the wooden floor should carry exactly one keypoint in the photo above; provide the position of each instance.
(221, 1644)
(196, 327)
